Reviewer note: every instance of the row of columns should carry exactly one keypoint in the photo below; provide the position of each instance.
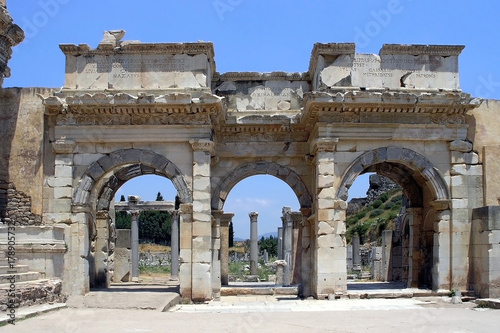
(134, 208)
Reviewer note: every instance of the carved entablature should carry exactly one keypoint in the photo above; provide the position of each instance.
(10, 35)
(262, 133)
(125, 109)
(387, 107)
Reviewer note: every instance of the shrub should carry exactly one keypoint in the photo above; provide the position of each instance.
(388, 206)
(376, 213)
(384, 197)
(392, 215)
(377, 203)
(360, 215)
(397, 199)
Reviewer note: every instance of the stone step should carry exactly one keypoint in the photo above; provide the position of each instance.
(6, 286)
(20, 277)
(6, 262)
(17, 269)
(265, 290)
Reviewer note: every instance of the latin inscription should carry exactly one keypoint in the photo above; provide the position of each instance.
(127, 68)
(373, 66)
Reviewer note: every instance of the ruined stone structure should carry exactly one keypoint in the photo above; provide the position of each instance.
(129, 109)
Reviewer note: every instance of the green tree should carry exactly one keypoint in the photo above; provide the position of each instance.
(270, 244)
(155, 227)
(122, 219)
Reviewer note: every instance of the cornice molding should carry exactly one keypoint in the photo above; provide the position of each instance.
(256, 76)
(125, 109)
(438, 50)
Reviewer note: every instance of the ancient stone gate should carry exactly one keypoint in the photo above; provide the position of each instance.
(129, 109)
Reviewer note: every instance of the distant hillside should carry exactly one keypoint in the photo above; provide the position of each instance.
(266, 235)
(369, 221)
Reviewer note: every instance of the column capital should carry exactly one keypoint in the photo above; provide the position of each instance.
(306, 211)
(63, 146)
(324, 145)
(253, 215)
(102, 214)
(443, 204)
(135, 213)
(203, 145)
(340, 204)
(415, 211)
(217, 214)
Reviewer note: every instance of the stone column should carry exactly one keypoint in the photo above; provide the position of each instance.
(134, 240)
(174, 245)
(386, 255)
(306, 244)
(414, 252)
(202, 221)
(224, 248)
(280, 243)
(287, 244)
(442, 247)
(100, 278)
(330, 247)
(254, 245)
(356, 258)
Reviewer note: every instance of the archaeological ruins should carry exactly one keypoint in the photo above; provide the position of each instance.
(129, 109)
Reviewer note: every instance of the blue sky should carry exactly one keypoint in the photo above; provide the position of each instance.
(262, 36)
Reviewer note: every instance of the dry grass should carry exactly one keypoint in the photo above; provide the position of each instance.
(153, 248)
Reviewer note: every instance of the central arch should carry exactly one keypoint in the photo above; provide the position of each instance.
(219, 195)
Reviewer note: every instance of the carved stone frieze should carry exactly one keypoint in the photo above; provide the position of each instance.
(10, 35)
(125, 109)
(445, 119)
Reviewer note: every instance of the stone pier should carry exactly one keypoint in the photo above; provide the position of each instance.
(254, 245)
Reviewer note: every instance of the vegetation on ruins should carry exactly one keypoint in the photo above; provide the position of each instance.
(369, 222)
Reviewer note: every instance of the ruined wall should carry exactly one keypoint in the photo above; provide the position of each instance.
(22, 148)
(484, 133)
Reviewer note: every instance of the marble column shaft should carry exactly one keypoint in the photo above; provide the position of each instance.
(134, 235)
(174, 244)
(287, 244)
(254, 245)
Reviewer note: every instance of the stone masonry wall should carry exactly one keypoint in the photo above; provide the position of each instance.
(41, 292)
(15, 206)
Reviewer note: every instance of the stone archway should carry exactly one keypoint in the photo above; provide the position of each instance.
(96, 190)
(219, 195)
(427, 193)
(409, 159)
(120, 166)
